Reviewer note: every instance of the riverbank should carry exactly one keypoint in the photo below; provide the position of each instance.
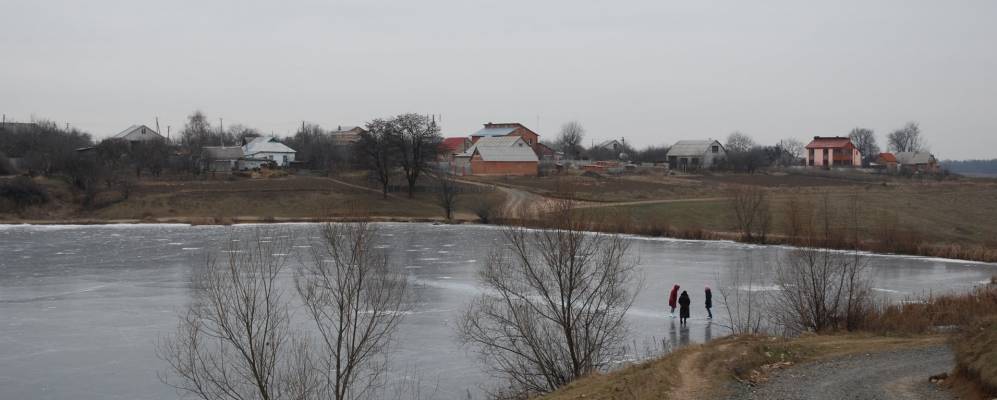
(945, 220)
(898, 352)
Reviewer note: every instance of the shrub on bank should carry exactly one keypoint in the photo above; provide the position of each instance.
(22, 192)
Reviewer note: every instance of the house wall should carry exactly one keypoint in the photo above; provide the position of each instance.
(818, 158)
(710, 158)
(276, 157)
(513, 168)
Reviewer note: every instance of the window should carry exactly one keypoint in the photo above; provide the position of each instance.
(716, 149)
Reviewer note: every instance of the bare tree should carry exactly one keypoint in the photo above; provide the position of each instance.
(790, 152)
(416, 138)
(821, 290)
(375, 152)
(741, 297)
(555, 304)
(235, 341)
(356, 302)
(738, 142)
(752, 211)
(569, 140)
(865, 140)
(906, 139)
(447, 192)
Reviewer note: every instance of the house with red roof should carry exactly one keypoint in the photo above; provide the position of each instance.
(886, 160)
(452, 146)
(833, 151)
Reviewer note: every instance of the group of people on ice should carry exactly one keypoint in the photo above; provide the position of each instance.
(683, 301)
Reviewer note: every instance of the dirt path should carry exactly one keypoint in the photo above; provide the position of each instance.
(693, 385)
(896, 374)
(644, 202)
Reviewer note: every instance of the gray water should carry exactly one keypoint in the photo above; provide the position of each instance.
(82, 307)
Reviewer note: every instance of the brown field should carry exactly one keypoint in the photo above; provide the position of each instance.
(242, 199)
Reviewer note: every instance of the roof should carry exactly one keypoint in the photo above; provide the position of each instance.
(834, 142)
(489, 132)
(222, 152)
(508, 154)
(887, 157)
(266, 144)
(345, 129)
(911, 157)
(683, 148)
(608, 143)
(138, 130)
(453, 144)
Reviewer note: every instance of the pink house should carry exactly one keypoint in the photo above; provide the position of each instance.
(835, 151)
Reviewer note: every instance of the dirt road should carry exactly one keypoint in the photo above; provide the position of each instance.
(898, 374)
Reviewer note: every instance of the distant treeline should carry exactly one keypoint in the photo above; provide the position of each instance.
(972, 167)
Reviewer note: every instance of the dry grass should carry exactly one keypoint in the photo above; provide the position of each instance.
(923, 315)
(723, 362)
(976, 356)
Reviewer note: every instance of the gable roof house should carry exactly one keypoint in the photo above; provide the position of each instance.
(490, 129)
(269, 148)
(833, 151)
(346, 135)
(695, 154)
(917, 161)
(499, 155)
(453, 146)
(886, 160)
(138, 133)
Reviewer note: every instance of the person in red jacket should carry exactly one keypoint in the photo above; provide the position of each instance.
(673, 298)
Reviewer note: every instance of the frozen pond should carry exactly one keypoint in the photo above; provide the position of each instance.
(81, 307)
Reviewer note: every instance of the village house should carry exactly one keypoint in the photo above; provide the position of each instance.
(498, 155)
(832, 151)
(452, 146)
(887, 161)
(138, 133)
(220, 158)
(268, 148)
(695, 154)
(531, 138)
(346, 135)
(919, 161)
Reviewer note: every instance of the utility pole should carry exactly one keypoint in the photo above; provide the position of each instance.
(157, 126)
(167, 133)
(221, 132)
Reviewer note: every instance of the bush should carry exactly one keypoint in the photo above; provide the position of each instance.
(6, 168)
(23, 192)
(976, 355)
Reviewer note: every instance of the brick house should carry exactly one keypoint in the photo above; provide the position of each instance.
(919, 161)
(346, 135)
(531, 138)
(887, 161)
(833, 151)
(499, 155)
(453, 146)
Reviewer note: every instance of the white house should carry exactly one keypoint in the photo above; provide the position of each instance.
(268, 148)
(694, 154)
(138, 133)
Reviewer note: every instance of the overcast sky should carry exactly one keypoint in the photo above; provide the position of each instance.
(651, 71)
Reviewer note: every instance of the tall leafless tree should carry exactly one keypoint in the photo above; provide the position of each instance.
(569, 140)
(906, 139)
(416, 139)
(235, 340)
(865, 140)
(375, 152)
(554, 305)
(790, 152)
(356, 301)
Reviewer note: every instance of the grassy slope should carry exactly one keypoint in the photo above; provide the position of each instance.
(222, 200)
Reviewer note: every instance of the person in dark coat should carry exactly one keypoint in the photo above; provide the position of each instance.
(673, 299)
(684, 302)
(709, 302)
